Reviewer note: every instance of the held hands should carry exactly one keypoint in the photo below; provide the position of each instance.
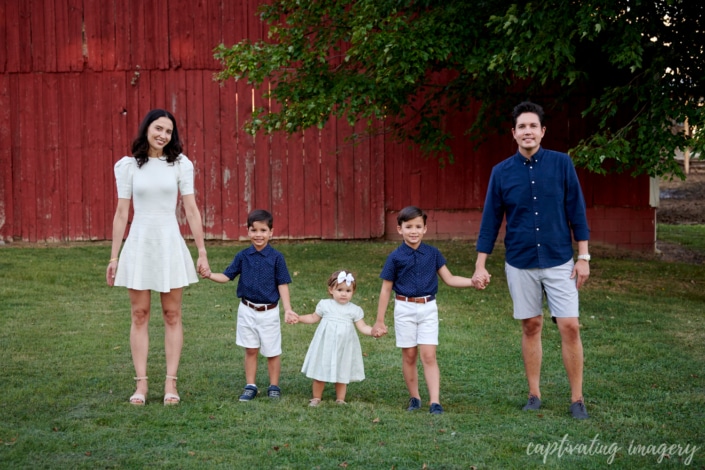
(204, 271)
(379, 330)
(291, 317)
(481, 279)
(203, 267)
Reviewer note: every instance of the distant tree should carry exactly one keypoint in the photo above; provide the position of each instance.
(638, 65)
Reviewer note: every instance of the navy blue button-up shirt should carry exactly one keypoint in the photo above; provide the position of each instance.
(261, 274)
(543, 203)
(414, 273)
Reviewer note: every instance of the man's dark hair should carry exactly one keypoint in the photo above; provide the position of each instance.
(526, 107)
(259, 215)
(410, 212)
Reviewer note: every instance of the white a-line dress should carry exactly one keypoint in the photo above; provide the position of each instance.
(335, 355)
(155, 255)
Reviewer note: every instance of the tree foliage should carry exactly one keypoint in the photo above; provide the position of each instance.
(637, 65)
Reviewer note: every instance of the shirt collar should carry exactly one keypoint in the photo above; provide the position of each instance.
(534, 158)
(407, 250)
(253, 251)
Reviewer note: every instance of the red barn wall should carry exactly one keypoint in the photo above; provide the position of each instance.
(76, 77)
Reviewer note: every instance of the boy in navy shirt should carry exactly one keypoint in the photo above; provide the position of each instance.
(412, 271)
(264, 280)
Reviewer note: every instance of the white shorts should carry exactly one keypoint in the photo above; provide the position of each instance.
(415, 324)
(527, 287)
(259, 330)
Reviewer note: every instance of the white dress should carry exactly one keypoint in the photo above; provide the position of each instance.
(155, 255)
(335, 355)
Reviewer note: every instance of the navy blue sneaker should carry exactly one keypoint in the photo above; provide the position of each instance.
(248, 393)
(578, 410)
(436, 409)
(533, 404)
(414, 404)
(274, 392)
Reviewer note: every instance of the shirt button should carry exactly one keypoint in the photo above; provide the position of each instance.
(537, 229)
(536, 213)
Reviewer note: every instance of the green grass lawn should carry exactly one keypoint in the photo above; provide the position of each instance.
(689, 236)
(67, 373)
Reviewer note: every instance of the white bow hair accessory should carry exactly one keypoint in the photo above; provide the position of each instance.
(347, 278)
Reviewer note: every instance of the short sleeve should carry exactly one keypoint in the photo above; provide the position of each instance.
(440, 259)
(185, 175)
(321, 308)
(281, 272)
(235, 267)
(124, 170)
(358, 313)
(388, 271)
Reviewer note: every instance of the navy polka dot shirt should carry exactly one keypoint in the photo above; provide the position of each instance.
(261, 274)
(414, 273)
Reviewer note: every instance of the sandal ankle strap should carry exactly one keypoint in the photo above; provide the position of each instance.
(141, 378)
(172, 377)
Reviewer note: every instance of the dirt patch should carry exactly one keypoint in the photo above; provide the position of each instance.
(682, 202)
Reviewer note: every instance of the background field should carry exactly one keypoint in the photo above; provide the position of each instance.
(67, 373)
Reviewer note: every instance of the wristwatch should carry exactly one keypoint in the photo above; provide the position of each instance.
(584, 257)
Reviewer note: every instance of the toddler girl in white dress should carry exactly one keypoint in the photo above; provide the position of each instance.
(335, 355)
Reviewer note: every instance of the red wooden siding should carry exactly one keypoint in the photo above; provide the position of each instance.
(77, 76)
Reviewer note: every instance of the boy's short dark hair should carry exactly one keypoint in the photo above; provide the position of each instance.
(410, 212)
(526, 107)
(259, 215)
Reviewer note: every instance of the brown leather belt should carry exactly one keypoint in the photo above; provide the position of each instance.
(259, 308)
(416, 300)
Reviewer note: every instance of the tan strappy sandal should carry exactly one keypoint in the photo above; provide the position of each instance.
(138, 399)
(171, 398)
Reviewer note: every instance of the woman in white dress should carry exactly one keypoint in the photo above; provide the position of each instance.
(155, 256)
(335, 355)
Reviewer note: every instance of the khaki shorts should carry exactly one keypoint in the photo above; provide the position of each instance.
(259, 330)
(527, 288)
(415, 324)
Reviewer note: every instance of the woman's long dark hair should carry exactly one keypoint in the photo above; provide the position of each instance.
(140, 146)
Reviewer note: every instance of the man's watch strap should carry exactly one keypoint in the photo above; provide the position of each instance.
(584, 257)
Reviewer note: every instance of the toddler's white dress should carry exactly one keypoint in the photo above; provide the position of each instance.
(155, 255)
(335, 355)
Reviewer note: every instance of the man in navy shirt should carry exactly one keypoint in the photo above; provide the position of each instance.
(538, 192)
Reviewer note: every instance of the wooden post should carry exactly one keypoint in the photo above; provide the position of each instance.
(686, 153)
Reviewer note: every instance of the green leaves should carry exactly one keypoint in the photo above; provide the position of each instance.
(403, 64)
